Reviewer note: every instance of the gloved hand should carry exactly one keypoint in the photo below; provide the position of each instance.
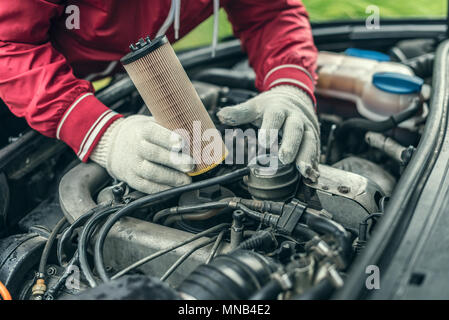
(144, 154)
(290, 110)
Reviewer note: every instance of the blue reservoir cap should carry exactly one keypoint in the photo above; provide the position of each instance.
(367, 54)
(397, 83)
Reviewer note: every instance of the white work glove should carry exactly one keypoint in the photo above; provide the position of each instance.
(289, 110)
(143, 154)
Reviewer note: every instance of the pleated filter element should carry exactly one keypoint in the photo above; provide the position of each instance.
(174, 103)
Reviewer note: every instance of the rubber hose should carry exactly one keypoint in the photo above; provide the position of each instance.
(98, 250)
(49, 245)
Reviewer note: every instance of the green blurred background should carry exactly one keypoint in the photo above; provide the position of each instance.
(326, 10)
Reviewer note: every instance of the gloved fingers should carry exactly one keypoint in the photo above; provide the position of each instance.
(238, 114)
(161, 175)
(175, 160)
(157, 134)
(146, 186)
(302, 100)
(292, 135)
(311, 117)
(307, 159)
(272, 122)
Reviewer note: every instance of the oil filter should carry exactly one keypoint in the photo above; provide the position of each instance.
(171, 98)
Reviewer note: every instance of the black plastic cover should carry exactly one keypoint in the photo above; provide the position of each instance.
(142, 48)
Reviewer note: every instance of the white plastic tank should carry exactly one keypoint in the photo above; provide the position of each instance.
(351, 78)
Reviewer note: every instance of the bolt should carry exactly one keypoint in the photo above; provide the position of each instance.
(51, 271)
(407, 154)
(325, 187)
(344, 189)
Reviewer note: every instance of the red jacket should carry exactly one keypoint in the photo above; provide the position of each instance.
(43, 63)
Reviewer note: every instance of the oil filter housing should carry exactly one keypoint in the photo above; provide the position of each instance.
(171, 98)
(268, 182)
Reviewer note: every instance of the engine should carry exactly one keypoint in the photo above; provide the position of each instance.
(241, 230)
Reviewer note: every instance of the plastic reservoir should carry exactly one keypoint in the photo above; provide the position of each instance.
(378, 88)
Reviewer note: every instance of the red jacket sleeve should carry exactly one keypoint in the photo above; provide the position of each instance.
(277, 37)
(37, 83)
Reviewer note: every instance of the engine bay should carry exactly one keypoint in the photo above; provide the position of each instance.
(239, 231)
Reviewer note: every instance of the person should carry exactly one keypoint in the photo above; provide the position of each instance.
(47, 60)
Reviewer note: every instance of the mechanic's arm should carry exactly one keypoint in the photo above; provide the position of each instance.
(278, 40)
(37, 83)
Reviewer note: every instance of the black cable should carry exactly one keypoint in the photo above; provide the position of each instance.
(67, 234)
(269, 219)
(254, 214)
(99, 244)
(83, 242)
(177, 212)
(261, 239)
(215, 247)
(373, 215)
(383, 203)
(223, 203)
(162, 214)
(164, 251)
(317, 223)
(363, 228)
(49, 245)
(185, 256)
(189, 209)
(378, 126)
